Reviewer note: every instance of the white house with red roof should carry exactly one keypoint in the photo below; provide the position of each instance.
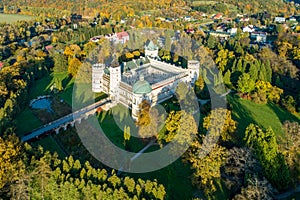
(218, 16)
(121, 37)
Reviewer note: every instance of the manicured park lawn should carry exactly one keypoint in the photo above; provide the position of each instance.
(43, 85)
(265, 115)
(26, 121)
(12, 18)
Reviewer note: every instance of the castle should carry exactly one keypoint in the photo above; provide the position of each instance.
(145, 78)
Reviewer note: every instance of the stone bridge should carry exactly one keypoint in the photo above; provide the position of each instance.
(64, 122)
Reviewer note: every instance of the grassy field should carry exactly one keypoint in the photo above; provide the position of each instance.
(42, 86)
(201, 3)
(49, 144)
(12, 18)
(265, 115)
(26, 121)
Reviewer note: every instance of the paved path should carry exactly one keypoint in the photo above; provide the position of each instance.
(66, 119)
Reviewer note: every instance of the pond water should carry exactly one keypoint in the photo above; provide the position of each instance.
(44, 103)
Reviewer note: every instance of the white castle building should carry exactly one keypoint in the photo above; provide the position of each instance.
(145, 78)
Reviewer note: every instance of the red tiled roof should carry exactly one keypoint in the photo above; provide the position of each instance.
(1, 64)
(219, 15)
(122, 34)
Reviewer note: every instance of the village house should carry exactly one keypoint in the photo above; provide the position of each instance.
(279, 20)
(259, 37)
(249, 29)
(218, 16)
(232, 31)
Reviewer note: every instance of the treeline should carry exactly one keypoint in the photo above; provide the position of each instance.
(247, 7)
(27, 173)
(116, 8)
(259, 73)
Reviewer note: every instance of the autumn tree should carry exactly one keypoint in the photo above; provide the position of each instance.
(73, 67)
(10, 159)
(290, 147)
(221, 117)
(245, 84)
(206, 167)
(265, 147)
(60, 63)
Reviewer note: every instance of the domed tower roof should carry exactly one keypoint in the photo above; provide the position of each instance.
(141, 87)
(151, 46)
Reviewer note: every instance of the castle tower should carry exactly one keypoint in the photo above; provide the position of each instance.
(193, 68)
(115, 79)
(151, 50)
(97, 75)
(141, 90)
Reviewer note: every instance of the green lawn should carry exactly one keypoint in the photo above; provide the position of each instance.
(43, 85)
(265, 115)
(68, 92)
(176, 179)
(49, 144)
(12, 18)
(26, 121)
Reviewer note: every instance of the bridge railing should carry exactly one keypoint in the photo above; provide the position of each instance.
(73, 116)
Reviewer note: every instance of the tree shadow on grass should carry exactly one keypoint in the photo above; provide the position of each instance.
(242, 115)
(283, 115)
(66, 81)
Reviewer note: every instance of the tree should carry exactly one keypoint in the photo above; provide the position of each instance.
(268, 92)
(240, 165)
(265, 147)
(60, 63)
(227, 127)
(245, 84)
(256, 189)
(179, 122)
(224, 58)
(289, 103)
(126, 134)
(74, 66)
(206, 168)
(211, 42)
(262, 75)
(10, 159)
(239, 66)
(253, 72)
(199, 84)
(289, 146)
(41, 176)
(226, 79)
(148, 120)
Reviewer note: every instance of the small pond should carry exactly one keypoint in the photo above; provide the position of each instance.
(43, 103)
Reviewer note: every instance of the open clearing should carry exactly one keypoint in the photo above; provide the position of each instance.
(12, 18)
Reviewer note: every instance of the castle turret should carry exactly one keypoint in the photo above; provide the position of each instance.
(97, 75)
(151, 50)
(115, 79)
(141, 90)
(193, 67)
